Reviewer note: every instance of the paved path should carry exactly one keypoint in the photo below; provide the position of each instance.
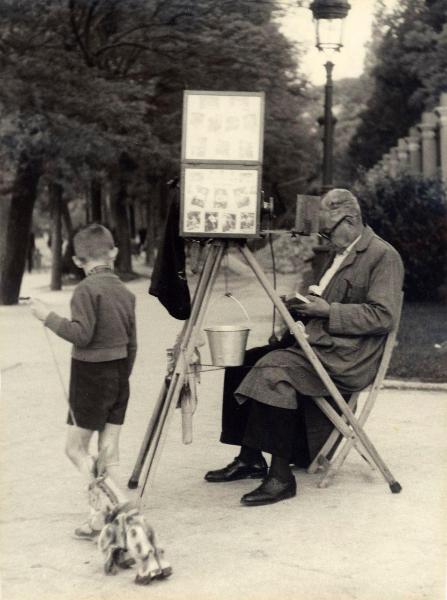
(354, 540)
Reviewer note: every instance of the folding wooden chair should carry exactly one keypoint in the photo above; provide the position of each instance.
(331, 466)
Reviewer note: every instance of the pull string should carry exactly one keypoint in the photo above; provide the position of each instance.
(273, 337)
(227, 292)
(225, 270)
(58, 371)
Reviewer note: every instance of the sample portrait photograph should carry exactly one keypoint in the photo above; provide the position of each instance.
(193, 220)
(211, 221)
(220, 198)
(229, 222)
(247, 221)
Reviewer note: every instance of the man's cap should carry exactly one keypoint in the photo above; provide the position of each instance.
(341, 202)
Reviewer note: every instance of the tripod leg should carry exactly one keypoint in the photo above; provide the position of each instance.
(184, 335)
(339, 422)
(321, 457)
(184, 357)
(133, 481)
(300, 336)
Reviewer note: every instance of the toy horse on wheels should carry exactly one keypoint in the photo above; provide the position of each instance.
(126, 538)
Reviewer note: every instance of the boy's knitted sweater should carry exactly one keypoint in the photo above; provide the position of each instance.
(102, 325)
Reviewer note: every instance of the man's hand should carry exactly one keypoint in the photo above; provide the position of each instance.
(39, 309)
(317, 307)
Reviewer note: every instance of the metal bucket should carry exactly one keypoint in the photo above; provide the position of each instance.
(227, 344)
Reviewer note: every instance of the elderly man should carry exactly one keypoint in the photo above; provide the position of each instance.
(352, 308)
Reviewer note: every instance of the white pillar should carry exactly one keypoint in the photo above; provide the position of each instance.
(442, 112)
(394, 163)
(386, 164)
(373, 174)
(414, 151)
(402, 154)
(427, 127)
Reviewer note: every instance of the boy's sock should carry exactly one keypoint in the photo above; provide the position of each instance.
(104, 497)
(112, 471)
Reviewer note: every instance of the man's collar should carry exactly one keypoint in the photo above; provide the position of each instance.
(362, 241)
(348, 249)
(365, 239)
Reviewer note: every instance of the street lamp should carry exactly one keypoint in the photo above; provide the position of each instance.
(329, 17)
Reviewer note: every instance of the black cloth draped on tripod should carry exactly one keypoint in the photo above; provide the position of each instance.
(168, 280)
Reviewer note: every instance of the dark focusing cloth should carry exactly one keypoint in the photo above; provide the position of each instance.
(168, 280)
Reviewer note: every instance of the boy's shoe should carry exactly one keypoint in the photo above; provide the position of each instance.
(86, 532)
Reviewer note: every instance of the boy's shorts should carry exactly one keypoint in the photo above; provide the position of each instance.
(99, 393)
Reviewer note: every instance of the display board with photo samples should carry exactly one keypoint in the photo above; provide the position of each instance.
(220, 201)
(221, 164)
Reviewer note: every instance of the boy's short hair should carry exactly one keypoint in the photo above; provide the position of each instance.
(94, 242)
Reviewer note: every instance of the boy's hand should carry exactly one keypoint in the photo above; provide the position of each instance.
(39, 309)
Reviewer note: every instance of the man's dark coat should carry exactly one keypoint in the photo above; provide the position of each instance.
(364, 296)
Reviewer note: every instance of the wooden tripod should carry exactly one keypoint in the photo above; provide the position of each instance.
(168, 398)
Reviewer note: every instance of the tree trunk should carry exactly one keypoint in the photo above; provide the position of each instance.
(96, 201)
(148, 242)
(122, 228)
(133, 230)
(68, 266)
(15, 227)
(55, 192)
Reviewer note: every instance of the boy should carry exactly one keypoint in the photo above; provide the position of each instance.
(102, 331)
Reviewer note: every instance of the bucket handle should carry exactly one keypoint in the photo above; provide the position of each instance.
(238, 302)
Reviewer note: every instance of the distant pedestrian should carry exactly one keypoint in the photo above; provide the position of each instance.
(142, 235)
(103, 333)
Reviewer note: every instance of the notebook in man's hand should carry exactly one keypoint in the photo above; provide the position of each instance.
(301, 298)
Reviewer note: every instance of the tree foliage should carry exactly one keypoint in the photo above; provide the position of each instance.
(411, 214)
(92, 79)
(407, 64)
(92, 89)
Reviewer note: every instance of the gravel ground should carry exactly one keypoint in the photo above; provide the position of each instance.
(353, 540)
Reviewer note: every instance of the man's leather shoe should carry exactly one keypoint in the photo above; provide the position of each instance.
(238, 470)
(271, 490)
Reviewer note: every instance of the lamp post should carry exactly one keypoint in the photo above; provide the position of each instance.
(329, 17)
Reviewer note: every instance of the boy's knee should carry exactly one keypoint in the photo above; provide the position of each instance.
(71, 450)
(75, 447)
